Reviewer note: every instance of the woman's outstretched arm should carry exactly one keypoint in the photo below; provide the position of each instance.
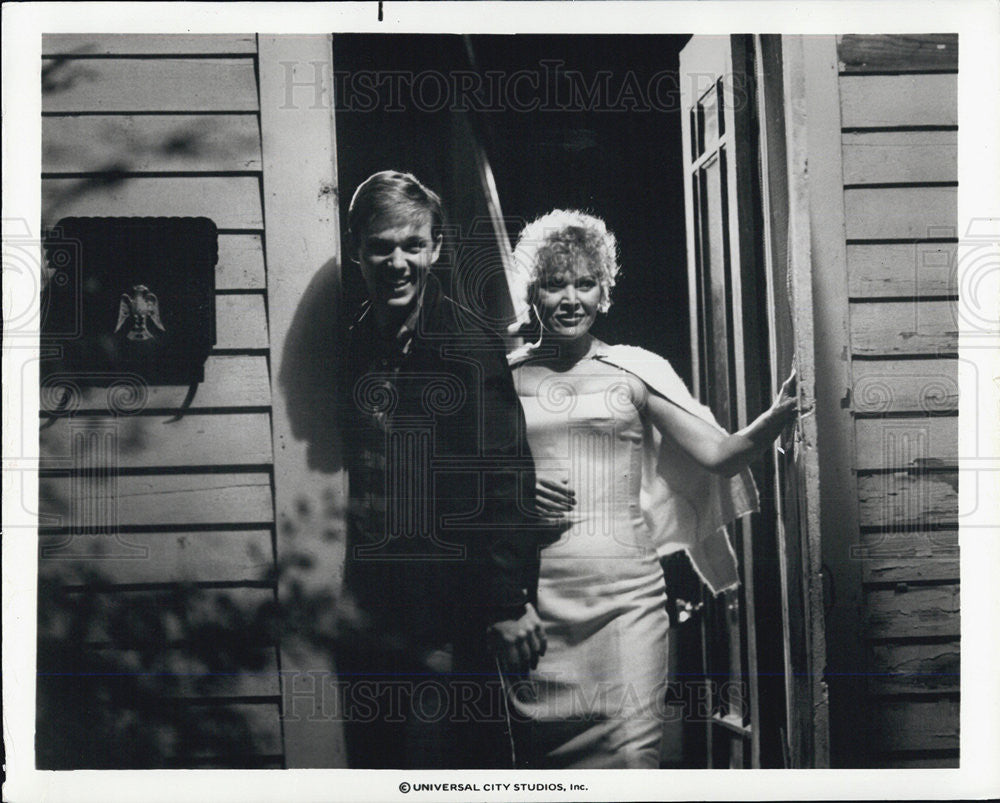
(716, 451)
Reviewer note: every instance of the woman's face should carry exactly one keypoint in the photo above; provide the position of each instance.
(567, 301)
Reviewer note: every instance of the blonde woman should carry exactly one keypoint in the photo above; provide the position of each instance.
(629, 467)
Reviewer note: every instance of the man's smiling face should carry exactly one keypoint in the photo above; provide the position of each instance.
(395, 256)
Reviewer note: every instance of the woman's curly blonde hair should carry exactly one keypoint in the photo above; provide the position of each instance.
(564, 239)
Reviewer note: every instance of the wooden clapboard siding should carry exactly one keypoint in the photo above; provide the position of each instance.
(897, 53)
(78, 45)
(229, 556)
(912, 612)
(877, 157)
(232, 202)
(924, 761)
(165, 500)
(904, 386)
(257, 725)
(86, 86)
(241, 262)
(915, 724)
(904, 442)
(896, 159)
(160, 125)
(151, 143)
(240, 322)
(904, 668)
(904, 499)
(193, 676)
(124, 618)
(902, 269)
(899, 213)
(888, 328)
(910, 555)
(144, 441)
(230, 381)
(877, 101)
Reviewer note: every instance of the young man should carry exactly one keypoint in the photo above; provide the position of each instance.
(441, 553)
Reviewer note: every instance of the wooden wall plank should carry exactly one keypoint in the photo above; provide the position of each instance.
(917, 612)
(170, 499)
(915, 724)
(908, 556)
(227, 556)
(911, 269)
(230, 381)
(915, 668)
(894, 386)
(93, 44)
(232, 202)
(240, 322)
(257, 724)
(902, 499)
(148, 85)
(150, 143)
(898, 100)
(878, 157)
(241, 263)
(192, 676)
(114, 618)
(917, 762)
(906, 442)
(904, 327)
(143, 441)
(900, 212)
(896, 52)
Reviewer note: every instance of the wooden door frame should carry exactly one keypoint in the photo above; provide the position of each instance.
(807, 147)
(302, 236)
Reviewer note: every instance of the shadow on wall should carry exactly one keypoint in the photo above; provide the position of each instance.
(181, 674)
(308, 373)
(146, 667)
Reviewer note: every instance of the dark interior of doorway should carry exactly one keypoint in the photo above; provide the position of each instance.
(617, 156)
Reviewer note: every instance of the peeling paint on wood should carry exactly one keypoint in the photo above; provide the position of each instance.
(906, 442)
(905, 499)
(894, 328)
(915, 668)
(897, 52)
(907, 556)
(918, 612)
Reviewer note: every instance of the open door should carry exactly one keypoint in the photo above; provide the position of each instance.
(750, 312)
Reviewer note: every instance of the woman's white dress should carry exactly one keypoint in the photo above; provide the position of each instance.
(597, 695)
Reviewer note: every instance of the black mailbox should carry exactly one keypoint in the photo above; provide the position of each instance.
(133, 295)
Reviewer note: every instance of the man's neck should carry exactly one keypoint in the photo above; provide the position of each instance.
(389, 320)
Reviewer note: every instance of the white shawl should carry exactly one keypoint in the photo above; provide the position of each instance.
(685, 506)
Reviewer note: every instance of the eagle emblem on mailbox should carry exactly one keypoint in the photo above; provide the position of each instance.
(138, 312)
